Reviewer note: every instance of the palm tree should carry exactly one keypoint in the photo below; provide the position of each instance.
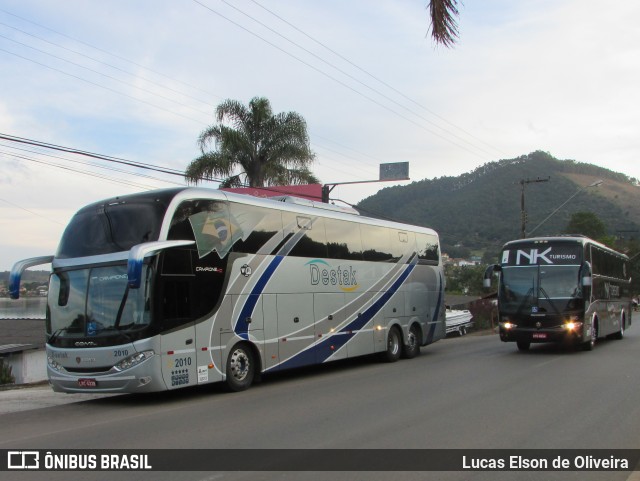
(444, 28)
(254, 147)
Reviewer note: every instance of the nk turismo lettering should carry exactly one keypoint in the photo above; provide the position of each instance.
(534, 256)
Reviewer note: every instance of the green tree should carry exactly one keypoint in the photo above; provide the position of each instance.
(254, 147)
(465, 280)
(588, 224)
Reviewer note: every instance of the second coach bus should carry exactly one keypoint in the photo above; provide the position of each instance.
(180, 287)
(568, 289)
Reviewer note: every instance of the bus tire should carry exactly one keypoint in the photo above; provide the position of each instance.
(620, 333)
(593, 336)
(412, 348)
(394, 345)
(523, 345)
(241, 368)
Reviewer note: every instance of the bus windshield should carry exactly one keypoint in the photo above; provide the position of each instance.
(95, 303)
(113, 226)
(523, 286)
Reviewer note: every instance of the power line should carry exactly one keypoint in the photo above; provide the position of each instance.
(108, 158)
(104, 51)
(106, 75)
(356, 79)
(99, 85)
(99, 166)
(373, 76)
(326, 62)
(107, 64)
(70, 169)
(30, 211)
(112, 66)
(335, 79)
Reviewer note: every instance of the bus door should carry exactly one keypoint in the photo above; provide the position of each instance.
(175, 294)
(296, 332)
(329, 318)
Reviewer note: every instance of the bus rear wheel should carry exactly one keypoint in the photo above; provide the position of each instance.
(620, 333)
(240, 368)
(412, 348)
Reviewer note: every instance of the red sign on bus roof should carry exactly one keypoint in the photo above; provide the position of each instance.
(306, 191)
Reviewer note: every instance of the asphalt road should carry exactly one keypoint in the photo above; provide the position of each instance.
(469, 392)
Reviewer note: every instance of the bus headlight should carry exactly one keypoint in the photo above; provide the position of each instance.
(134, 360)
(508, 325)
(572, 325)
(53, 364)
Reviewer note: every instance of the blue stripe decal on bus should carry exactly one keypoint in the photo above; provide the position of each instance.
(325, 349)
(242, 327)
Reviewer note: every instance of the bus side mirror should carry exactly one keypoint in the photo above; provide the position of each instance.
(140, 251)
(18, 269)
(486, 280)
(585, 270)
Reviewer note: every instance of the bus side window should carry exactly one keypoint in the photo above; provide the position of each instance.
(253, 227)
(343, 240)
(428, 251)
(375, 243)
(314, 241)
(402, 243)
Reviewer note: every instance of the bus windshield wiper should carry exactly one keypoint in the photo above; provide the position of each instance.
(55, 335)
(524, 300)
(544, 293)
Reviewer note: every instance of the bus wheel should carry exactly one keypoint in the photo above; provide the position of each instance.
(620, 333)
(394, 345)
(240, 368)
(523, 345)
(412, 348)
(593, 335)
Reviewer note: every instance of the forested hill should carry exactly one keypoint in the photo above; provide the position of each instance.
(480, 210)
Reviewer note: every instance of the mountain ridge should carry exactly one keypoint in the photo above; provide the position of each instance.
(481, 209)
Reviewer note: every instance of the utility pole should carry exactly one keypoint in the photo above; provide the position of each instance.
(523, 212)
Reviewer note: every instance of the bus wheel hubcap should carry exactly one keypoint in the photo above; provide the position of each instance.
(239, 364)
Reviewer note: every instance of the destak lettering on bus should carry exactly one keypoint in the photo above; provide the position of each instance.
(322, 272)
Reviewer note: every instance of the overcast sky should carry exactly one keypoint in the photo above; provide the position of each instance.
(140, 80)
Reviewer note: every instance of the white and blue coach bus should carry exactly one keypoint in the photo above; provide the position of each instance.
(180, 287)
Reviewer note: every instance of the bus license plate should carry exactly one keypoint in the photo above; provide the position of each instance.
(87, 383)
(539, 335)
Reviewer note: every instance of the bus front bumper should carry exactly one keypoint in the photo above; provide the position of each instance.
(559, 334)
(146, 377)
